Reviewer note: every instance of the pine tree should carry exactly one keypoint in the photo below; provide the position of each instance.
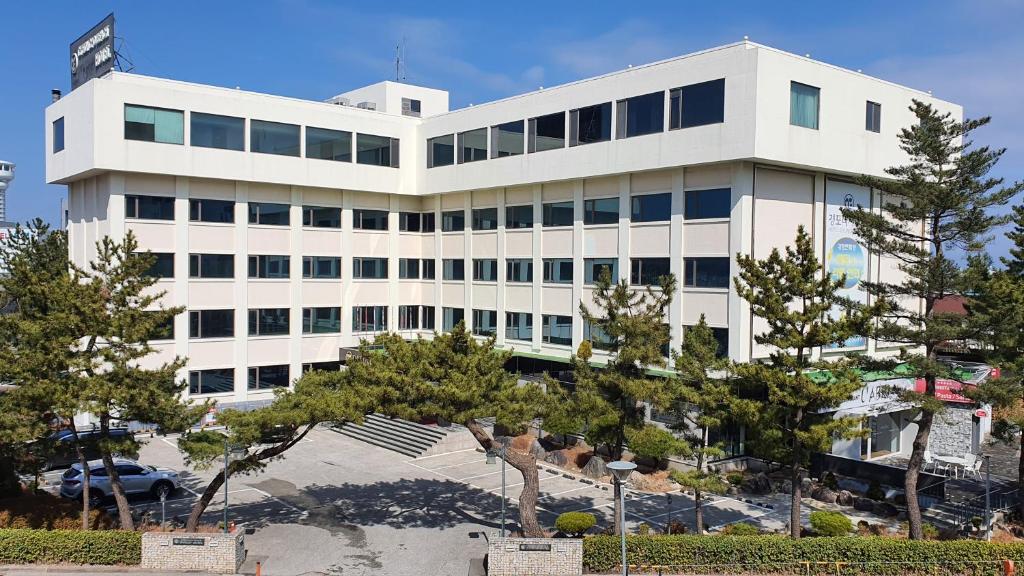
(796, 301)
(934, 205)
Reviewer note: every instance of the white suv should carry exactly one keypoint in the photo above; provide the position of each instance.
(136, 478)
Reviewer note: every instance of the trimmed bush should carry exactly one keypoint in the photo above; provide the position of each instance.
(575, 523)
(778, 554)
(734, 478)
(830, 523)
(48, 512)
(22, 546)
(740, 529)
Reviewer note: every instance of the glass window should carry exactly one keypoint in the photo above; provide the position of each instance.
(149, 207)
(721, 336)
(519, 216)
(211, 323)
(556, 330)
(268, 377)
(590, 124)
(268, 321)
(697, 104)
(450, 317)
(546, 132)
(369, 318)
(640, 115)
(376, 150)
(58, 134)
(713, 203)
(651, 208)
(264, 266)
(558, 270)
(273, 138)
(321, 320)
(803, 105)
(873, 117)
(408, 317)
(212, 381)
(485, 322)
(321, 217)
(473, 145)
(163, 265)
(485, 270)
(706, 272)
(507, 139)
(599, 339)
(485, 219)
(427, 222)
(411, 107)
(453, 269)
(218, 211)
(324, 144)
(453, 221)
(375, 268)
(409, 221)
(519, 270)
(211, 265)
(214, 131)
(409, 268)
(330, 366)
(519, 326)
(441, 151)
(370, 219)
(154, 124)
(428, 317)
(594, 267)
(429, 268)
(648, 271)
(558, 214)
(321, 267)
(601, 211)
(268, 214)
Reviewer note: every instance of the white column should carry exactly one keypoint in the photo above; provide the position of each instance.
(817, 231)
(179, 292)
(295, 284)
(467, 235)
(676, 251)
(538, 264)
(577, 262)
(500, 298)
(438, 268)
(393, 208)
(241, 291)
(741, 232)
(115, 207)
(346, 270)
(625, 213)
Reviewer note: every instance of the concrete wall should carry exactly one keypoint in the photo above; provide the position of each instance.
(214, 552)
(506, 557)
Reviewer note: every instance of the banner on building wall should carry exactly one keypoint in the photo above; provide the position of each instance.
(845, 254)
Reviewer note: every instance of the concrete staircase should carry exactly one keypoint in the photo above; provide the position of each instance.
(408, 438)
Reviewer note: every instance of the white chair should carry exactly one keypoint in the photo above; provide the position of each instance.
(928, 461)
(972, 465)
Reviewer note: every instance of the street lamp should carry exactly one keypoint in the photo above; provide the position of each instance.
(490, 460)
(621, 470)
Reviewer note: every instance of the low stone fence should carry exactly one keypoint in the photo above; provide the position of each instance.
(535, 557)
(211, 552)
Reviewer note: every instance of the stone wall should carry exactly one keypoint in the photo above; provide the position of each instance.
(535, 557)
(951, 430)
(214, 552)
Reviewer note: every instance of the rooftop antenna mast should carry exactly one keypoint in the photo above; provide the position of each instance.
(400, 61)
(121, 61)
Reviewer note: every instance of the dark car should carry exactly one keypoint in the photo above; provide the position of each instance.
(58, 451)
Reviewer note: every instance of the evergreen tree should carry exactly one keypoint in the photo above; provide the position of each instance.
(796, 301)
(934, 205)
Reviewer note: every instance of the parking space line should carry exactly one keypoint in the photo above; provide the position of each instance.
(442, 474)
(479, 476)
(165, 440)
(445, 467)
(191, 491)
(498, 489)
(444, 454)
(281, 502)
(565, 491)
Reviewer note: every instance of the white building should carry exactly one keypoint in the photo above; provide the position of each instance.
(290, 229)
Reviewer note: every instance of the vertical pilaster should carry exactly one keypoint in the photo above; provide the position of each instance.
(817, 230)
(676, 251)
(115, 207)
(393, 208)
(467, 235)
(500, 297)
(741, 230)
(577, 262)
(346, 269)
(179, 292)
(538, 264)
(625, 214)
(241, 291)
(438, 268)
(295, 284)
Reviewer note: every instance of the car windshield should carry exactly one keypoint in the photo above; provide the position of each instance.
(70, 473)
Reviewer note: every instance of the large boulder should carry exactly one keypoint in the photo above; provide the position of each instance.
(844, 498)
(806, 485)
(537, 450)
(757, 484)
(595, 468)
(884, 509)
(823, 494)
(557, 457)
(784, 487)
(864, 504)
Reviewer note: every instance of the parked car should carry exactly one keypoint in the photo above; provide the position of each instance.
(137, 479)
(59, 449)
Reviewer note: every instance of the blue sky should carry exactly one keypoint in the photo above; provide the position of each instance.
(970, 52)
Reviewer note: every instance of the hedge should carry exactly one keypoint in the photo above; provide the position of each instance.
(780, 554)
(26, 546)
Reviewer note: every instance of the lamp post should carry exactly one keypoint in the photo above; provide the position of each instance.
(490, 460)
(227, 461)
(620, 470)
(988, 500)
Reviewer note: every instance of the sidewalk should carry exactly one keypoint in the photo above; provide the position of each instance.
(75, 570)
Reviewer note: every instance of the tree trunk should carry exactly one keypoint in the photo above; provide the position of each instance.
(204, 501)
(86, 479)
(794, 513)
(124, 511)
(924, 428)
(698, 511)
(527, 466)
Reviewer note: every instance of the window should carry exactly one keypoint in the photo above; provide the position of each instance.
(211, 323)
(409, 268)
(376, 150)
(321, 320)
(485, 270)
(648, 271)
(601, 211)
(408, 317)
(804, 102)
(427, 222)
(268, 321)
(640, 115)
(453, 221)
(149, 207)
(519, 326)
(485, 218)
(519, 216)
(507, 139)
(329, 366)
(599, 339)
(163, 265)
(274, 138)
(217, 211)
(473, 145)
(651, 208)
(370, 268)
(370, 219)
(267, 377)
(702, 204)
(706, 272)
(58, 134)
(453, 269)
(697, 104)
(409, 221)
(213, 381)
(485, 322)
(519, 270)
(721, 336)
(324, 144)
(369, 318)
(441, 151)
(558, 214)
(546, 132)
(321, 217)
(556, 330)
(594, 267)
(211, 265)
(873, 117)
(269, 266)
(558, 270)
(429, 268)
(411, 107)
(321, 267)
(268, 214)
(428, 317)
(450, 317)
(154, 124)
(590, 124)
(213, 131)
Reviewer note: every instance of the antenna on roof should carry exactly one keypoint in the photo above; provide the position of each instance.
(400, 61)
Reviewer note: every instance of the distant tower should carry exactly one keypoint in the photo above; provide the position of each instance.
(6, 175)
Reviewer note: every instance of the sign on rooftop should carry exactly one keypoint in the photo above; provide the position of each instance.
(92, 54)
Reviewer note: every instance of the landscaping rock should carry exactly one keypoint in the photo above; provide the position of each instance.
(844, 498)
(537, 450)
(784, 487)
(823, 494)
(806, 485)
(884, 509)
(595, 468)
(758, 484)
(556, 457)
(863, 504)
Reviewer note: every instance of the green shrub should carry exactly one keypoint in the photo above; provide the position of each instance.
(740, 529)
(830, 523)
(575, 523)
(734, 478)
(23, 546)
(644, 529)
(930, 531)
(654, 443)
(48, 512)
(875, 491)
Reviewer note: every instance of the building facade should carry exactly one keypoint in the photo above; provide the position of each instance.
(291, 229)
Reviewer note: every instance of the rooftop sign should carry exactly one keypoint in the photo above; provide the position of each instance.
(92, 54)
